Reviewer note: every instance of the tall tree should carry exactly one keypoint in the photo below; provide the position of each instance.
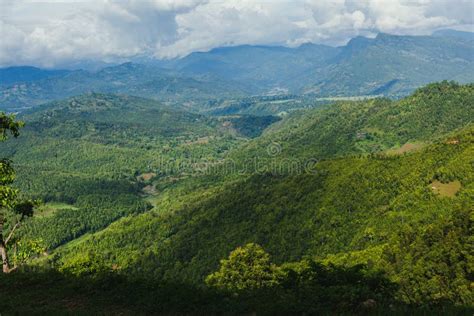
(247, 268)
(12, 211)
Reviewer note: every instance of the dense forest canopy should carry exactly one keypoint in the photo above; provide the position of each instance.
(377, 213)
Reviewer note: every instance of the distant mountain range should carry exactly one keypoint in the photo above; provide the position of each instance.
(128, 78)
(387, 65)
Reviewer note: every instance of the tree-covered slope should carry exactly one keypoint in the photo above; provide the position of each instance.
(110, 135)
(98, 152)
(383, 209)
(368, 126)
(362, 205)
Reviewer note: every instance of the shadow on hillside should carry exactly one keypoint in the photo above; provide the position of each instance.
(52, 292)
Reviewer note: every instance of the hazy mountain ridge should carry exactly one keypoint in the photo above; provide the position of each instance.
(23, 74)
(265, 66)
(133, 79)
(395, 65)
(387, 65)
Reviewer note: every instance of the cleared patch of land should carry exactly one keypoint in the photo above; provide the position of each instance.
(446, 189)
(408, 147)
(199, 141)
(146, 176)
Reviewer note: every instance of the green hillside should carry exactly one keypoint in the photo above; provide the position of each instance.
(280, 105)
(358, 128)
(351, 205)
(98, 153)
(338, 207)
(381, 209)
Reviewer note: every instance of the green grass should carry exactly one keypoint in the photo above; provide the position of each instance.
(406, 148)
(446, 189)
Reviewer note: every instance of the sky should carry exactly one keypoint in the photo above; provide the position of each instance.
(59, 33)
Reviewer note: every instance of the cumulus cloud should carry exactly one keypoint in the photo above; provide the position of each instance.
(57, 32)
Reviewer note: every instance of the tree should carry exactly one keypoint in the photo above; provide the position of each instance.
(247, 268)
(12, 211)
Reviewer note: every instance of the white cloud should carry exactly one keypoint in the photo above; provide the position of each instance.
(57, 32)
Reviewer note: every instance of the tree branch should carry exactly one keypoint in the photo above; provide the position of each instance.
(11, 233)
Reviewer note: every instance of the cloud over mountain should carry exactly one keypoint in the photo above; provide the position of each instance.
(60, 32)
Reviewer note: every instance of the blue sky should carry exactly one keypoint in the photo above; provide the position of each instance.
(52, 33)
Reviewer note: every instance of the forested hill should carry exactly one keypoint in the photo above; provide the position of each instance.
(251, 157)
(113, 136)
(369, 126)
(115, 113)
(91, 157)
(407, 213)
(396, 213)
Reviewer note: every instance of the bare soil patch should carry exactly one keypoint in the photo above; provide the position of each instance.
(408, 147)
(446, 189)
(146, 176)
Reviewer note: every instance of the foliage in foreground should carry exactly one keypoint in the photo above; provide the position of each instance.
(305, 286)
(246, 282)
(12, 210)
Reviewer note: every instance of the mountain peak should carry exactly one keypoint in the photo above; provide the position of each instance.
(359, 42)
